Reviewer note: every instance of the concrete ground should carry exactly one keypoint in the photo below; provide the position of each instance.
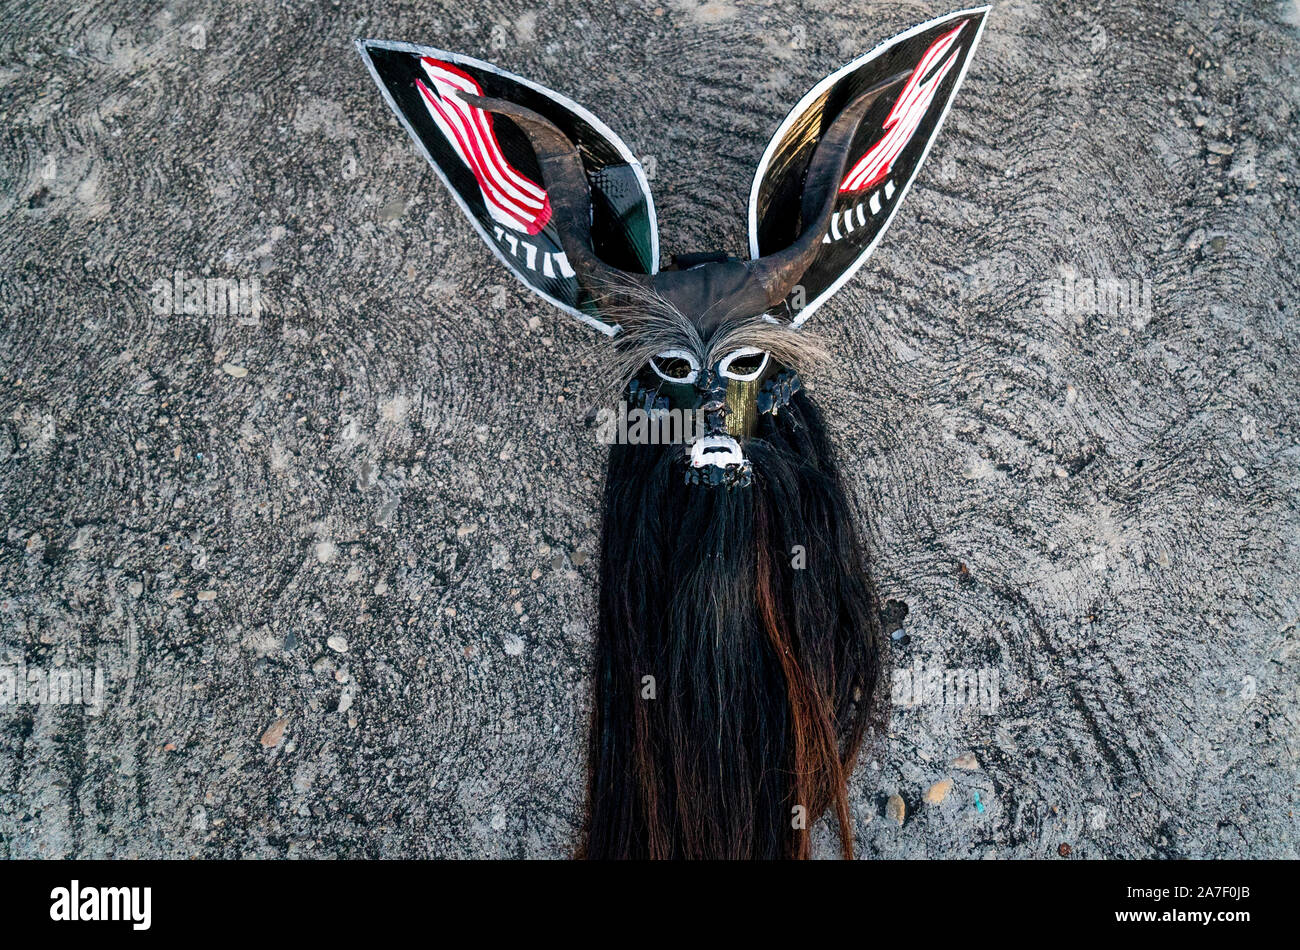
(335, 562)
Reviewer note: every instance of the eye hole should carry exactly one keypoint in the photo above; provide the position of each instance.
(744, 364)
(676, 366)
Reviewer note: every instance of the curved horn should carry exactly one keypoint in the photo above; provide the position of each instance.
(566, 186)
(779, 271)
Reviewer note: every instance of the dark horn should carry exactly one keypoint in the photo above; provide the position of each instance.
(780, 271)
(566, 186)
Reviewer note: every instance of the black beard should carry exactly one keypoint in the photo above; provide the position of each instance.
(765, 671)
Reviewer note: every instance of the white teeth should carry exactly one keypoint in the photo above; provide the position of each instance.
(719, 450)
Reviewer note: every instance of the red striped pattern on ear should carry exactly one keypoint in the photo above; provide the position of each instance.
(512, 199)
(905, 116)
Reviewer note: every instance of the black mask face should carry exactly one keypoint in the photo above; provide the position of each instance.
(727, 398)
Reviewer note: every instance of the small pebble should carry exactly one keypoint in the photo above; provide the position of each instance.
(337, 643)
(271, 738)
(937, 792)
(895, 808)
(239, 372)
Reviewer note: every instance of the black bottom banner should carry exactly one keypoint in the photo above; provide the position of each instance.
(1223, 899)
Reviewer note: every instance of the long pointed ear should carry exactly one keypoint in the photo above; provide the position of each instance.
(489, 164)
(888, 147)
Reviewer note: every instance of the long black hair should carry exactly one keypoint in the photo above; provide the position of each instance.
(738, 659)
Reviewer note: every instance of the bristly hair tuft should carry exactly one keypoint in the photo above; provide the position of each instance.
(651, 324)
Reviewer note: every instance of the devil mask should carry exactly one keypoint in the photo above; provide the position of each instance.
(738, 650)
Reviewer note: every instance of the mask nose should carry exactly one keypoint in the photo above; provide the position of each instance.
(707, 379)
(712, 387)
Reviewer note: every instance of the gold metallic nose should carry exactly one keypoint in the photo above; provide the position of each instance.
(742, 408)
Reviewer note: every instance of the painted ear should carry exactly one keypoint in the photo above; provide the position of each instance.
(492, 170)
(888, 147)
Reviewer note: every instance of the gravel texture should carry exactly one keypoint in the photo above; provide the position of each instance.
(336, 560)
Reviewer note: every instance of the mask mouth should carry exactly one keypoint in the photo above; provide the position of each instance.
(718, 450)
